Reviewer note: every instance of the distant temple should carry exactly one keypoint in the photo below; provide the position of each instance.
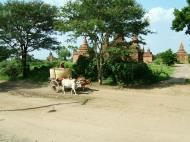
(182, 56)
(136, 52)
(82, 51)
(50, 57)
(148, 57)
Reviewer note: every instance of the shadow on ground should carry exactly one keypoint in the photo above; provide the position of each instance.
(21, 87)
(163, 84)
(6, 86)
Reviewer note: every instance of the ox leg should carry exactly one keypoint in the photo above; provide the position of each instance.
(71, 91)
(74, 91)
(63, 90)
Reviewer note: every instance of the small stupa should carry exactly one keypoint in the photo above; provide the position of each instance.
(148, 57)
(82, 51)
(182, 55)
(50, 57)
(137, 52)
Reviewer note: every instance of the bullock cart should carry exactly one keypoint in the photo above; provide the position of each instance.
(57, 75)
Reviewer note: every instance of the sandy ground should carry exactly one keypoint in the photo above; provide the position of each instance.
(159, 113)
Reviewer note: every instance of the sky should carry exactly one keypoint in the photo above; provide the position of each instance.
(160, 15)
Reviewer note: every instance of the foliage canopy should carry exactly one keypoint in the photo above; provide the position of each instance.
(102, 20)
(168, 57)
(27, 26)
(182, 19)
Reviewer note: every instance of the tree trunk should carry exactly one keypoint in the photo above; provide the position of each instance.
(99, 63)
(100, 72)
(24, 65)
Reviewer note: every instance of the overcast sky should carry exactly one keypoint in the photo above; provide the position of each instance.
(160, 14)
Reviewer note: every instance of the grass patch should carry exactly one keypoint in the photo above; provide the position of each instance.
(4, 77)
(161, 72)
(158, 72)
(108, 81)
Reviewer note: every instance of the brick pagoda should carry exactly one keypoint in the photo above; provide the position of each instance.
(82, 51)
(136, 51)
(182, 56)
(148, 57)
(50, 57)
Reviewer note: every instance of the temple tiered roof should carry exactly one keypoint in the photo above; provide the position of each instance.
(82, 51)
(181, 49)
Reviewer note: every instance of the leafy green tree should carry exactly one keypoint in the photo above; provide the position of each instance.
(63, 53)
(168, 57)
(4, 53)
(27, 26)
(101, 20)
(182, 19)
(122, 71)
(85, 67)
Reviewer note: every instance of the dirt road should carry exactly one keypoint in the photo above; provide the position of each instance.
(181, 74)
(154, 114)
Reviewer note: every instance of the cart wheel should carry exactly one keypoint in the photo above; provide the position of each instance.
(55, 86)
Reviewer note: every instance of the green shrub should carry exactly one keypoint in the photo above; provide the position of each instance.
(158, 61)
(187, 81)
(39, 64)
(68, 64)
(85, 67)
(127, 72)
(161, 72)
(39, 74)
(122, 71)
(136, 73)
(168, 57)
(39, 70)
(12, 69)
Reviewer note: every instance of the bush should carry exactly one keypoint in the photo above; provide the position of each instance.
(128, 72)
(68, 64)
(85, 67)
(122, 71)
(168, 57)
(12, 69)
(39, 70)
(39, 64)
(158, 61)
(161, 72)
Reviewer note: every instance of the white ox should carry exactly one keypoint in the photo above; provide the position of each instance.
(70, 83)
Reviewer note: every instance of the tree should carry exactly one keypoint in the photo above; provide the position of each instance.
(85, 66)
(27, 26)
(4, 53)
(63, 53)
(182, 19)
(102, 20)
(168, 57)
